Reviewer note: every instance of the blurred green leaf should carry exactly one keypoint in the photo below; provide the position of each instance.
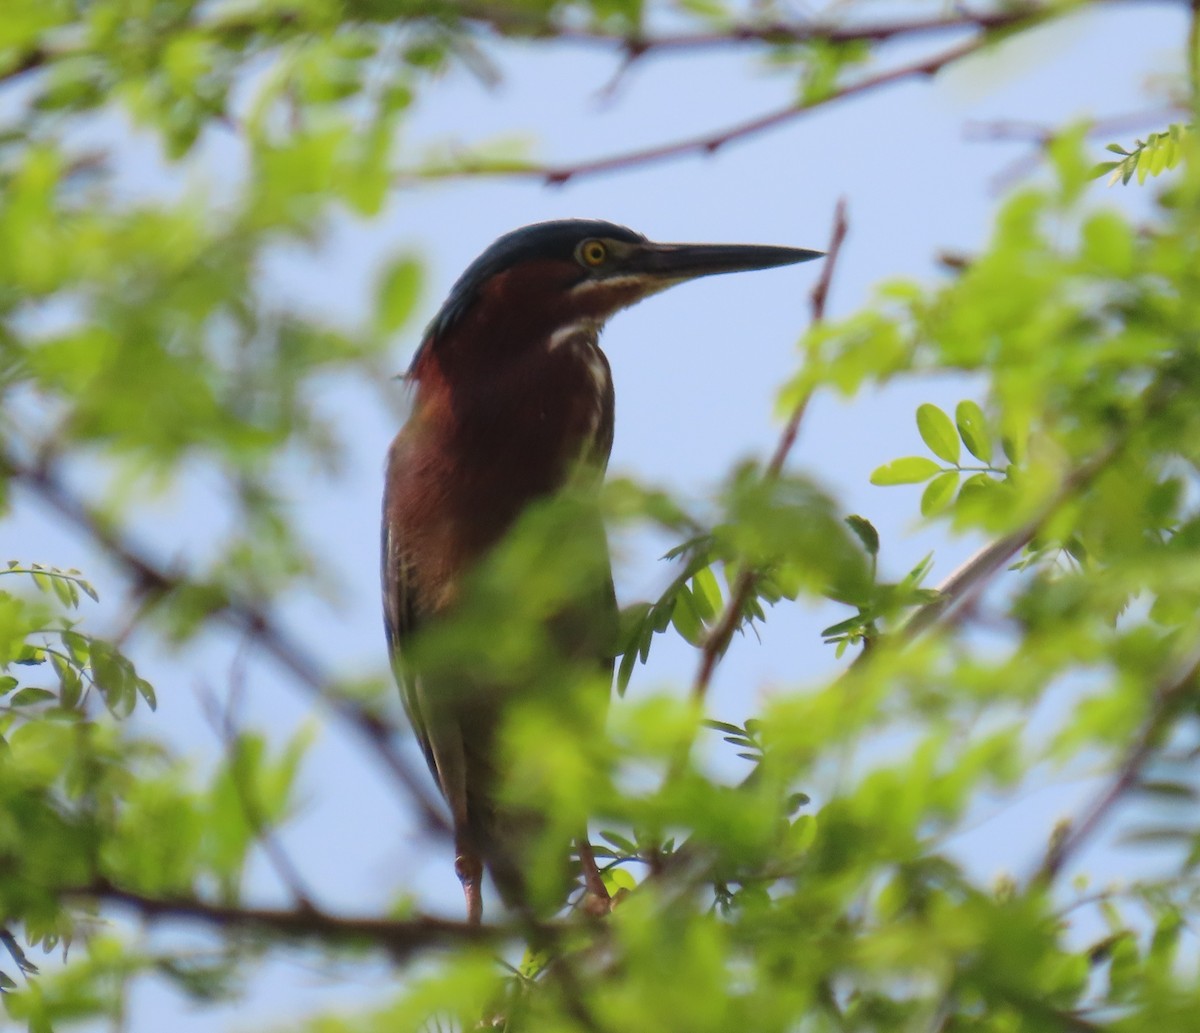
(939, 493)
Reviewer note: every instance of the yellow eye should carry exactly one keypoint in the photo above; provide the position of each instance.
(592, 252)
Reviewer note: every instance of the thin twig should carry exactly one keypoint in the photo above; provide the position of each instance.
(718, 639)
(706, 143)
(1020, 130)
(29, 61)
(222, 721)
(768, 33)
(968, 580)
(1168, 694)
(1193, 56)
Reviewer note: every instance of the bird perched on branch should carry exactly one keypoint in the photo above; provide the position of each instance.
(513, 400)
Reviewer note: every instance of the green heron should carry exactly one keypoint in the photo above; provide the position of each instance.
(513, 400)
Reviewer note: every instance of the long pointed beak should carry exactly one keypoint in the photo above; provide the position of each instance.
(673, 263)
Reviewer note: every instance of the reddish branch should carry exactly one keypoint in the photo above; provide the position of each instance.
(222, 721)
(967, 582)
(400, 937)
(719, 637)
(1169, 694)
(708, 143)
(510, 23)
(767, 32)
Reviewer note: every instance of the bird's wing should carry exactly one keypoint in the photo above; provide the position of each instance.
(437, 728)
(398, 575)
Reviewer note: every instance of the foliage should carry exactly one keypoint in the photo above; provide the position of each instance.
(1149, 157)
(815, 888)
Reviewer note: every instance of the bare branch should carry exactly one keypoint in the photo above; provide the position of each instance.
(1168, 694)
(1042, 133)
(965, 583)
(707, 143)
(222, 720)
(29, 61)
(402, 938)
(778, 33)
(719, 637)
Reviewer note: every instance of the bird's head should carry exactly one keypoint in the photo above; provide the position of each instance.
(552, 276)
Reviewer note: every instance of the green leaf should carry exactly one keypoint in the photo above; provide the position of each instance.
(909, 470)
(397, 295)
(939, 493)
(865, 531)
(686, 618)
(972, 428)
(937, 431)
(625, 671)
(29, 695)
(620, 842)
(706, 593)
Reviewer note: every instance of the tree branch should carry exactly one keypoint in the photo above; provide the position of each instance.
(223, 724)
(769, 33)
(153, 581)
(718, 639)
(966, 582)
(1169, 693)
(28, 61)
(707, 143)
(399, 937)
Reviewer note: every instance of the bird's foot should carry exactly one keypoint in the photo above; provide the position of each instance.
(469, 869)
(596, 901)
(597, 905)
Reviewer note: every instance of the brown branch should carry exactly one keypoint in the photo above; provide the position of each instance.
(968, 580)
(399, 937)
(1169, 693)
(515, 24)
(718, 639)
(706, 143)
(155, 582)
(769, 33)
(28, 61)
(223, 723)
(1193, 56)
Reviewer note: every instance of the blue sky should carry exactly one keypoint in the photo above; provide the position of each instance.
(696, 371)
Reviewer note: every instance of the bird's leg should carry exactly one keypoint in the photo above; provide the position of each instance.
(469, 869)
(596, 898)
